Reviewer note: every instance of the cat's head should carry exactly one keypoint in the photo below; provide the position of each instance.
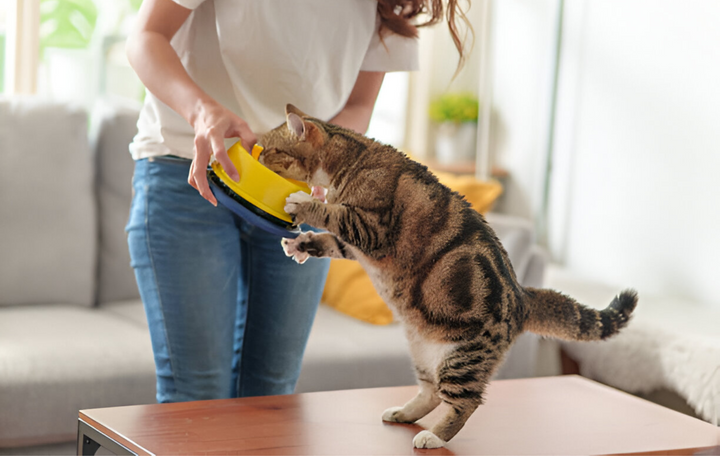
(293, 150)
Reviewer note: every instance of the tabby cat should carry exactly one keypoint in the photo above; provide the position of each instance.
(433, 259)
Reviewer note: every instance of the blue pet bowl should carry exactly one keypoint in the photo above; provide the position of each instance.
(248, 212)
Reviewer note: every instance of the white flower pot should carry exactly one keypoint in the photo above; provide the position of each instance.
(455, 143)
(70, 75)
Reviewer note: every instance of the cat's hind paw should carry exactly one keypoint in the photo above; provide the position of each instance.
(396, 415)
(426, 439)
(391, 415)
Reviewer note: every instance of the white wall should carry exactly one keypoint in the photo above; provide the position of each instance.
(387, 123)
(636, 189)
(523, 47)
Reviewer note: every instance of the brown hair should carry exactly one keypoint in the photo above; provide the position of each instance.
(396, 16)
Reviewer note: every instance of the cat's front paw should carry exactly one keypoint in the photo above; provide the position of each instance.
(294, 204)
(426, 439)
(298, 248)
(291, 247)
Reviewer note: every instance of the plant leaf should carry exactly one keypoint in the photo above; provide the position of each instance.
(67, 23)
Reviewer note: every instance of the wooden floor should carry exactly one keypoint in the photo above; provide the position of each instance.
(551, 415)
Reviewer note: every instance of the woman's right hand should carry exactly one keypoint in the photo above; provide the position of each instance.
(213, 123)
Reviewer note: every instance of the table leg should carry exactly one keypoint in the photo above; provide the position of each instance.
(87, 447)
(90, 440)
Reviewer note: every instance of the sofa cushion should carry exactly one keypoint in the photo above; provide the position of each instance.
(342, 352)
(57, 359)
(47, 209)
(131, 311)
(345, 353)
(114, 125)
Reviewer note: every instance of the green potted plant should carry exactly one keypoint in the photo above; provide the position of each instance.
(82, 49)
(456, 116)
(66, 31)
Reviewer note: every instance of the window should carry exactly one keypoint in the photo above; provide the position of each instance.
(3, 41)
(387, 124)
(82, 50)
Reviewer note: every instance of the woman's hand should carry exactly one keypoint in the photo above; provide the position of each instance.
(213, 123)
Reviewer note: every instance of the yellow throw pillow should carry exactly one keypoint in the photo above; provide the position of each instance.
(480, 194)
(348, 288)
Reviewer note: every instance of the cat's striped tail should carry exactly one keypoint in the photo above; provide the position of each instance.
(553, 314)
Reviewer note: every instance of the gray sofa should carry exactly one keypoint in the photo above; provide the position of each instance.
(73, 333)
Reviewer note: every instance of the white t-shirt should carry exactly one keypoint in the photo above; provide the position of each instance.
(255, 56)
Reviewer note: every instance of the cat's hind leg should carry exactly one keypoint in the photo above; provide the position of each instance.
(423, 403)
(317, 245)
(462, 379)
(449, 425)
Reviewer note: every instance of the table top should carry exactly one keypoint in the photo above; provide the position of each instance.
(549, 415)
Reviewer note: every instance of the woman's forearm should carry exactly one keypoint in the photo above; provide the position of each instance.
(156, 62)
(159, 68)
(356, 118)
(359, 107)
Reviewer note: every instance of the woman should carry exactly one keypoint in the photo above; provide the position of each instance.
(229, 314)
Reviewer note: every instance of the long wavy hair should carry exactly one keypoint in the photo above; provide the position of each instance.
(397, 16)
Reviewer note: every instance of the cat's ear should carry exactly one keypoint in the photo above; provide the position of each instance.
(289, 108)
(296, 125)
(303, 130)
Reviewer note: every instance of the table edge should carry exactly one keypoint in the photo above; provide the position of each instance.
(130, 444)
(113, 435)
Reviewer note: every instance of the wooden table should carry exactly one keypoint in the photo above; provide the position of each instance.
(551, 415)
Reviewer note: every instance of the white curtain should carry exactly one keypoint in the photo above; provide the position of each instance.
(22, 45)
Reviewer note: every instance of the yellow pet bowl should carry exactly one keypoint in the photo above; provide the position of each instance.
(259, 195)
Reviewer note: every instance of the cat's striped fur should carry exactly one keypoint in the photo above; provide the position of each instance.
(432, 258)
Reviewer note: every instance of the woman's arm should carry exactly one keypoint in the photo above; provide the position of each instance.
(359, 107)
(159, 68)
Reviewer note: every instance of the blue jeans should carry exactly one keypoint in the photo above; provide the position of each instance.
(229, 313)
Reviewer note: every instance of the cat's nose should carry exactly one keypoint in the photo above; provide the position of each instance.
(319, 193)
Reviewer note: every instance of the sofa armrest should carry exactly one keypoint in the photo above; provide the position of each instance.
(114, 126)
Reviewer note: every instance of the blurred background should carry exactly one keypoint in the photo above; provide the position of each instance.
(600, 119)
(603, 118)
